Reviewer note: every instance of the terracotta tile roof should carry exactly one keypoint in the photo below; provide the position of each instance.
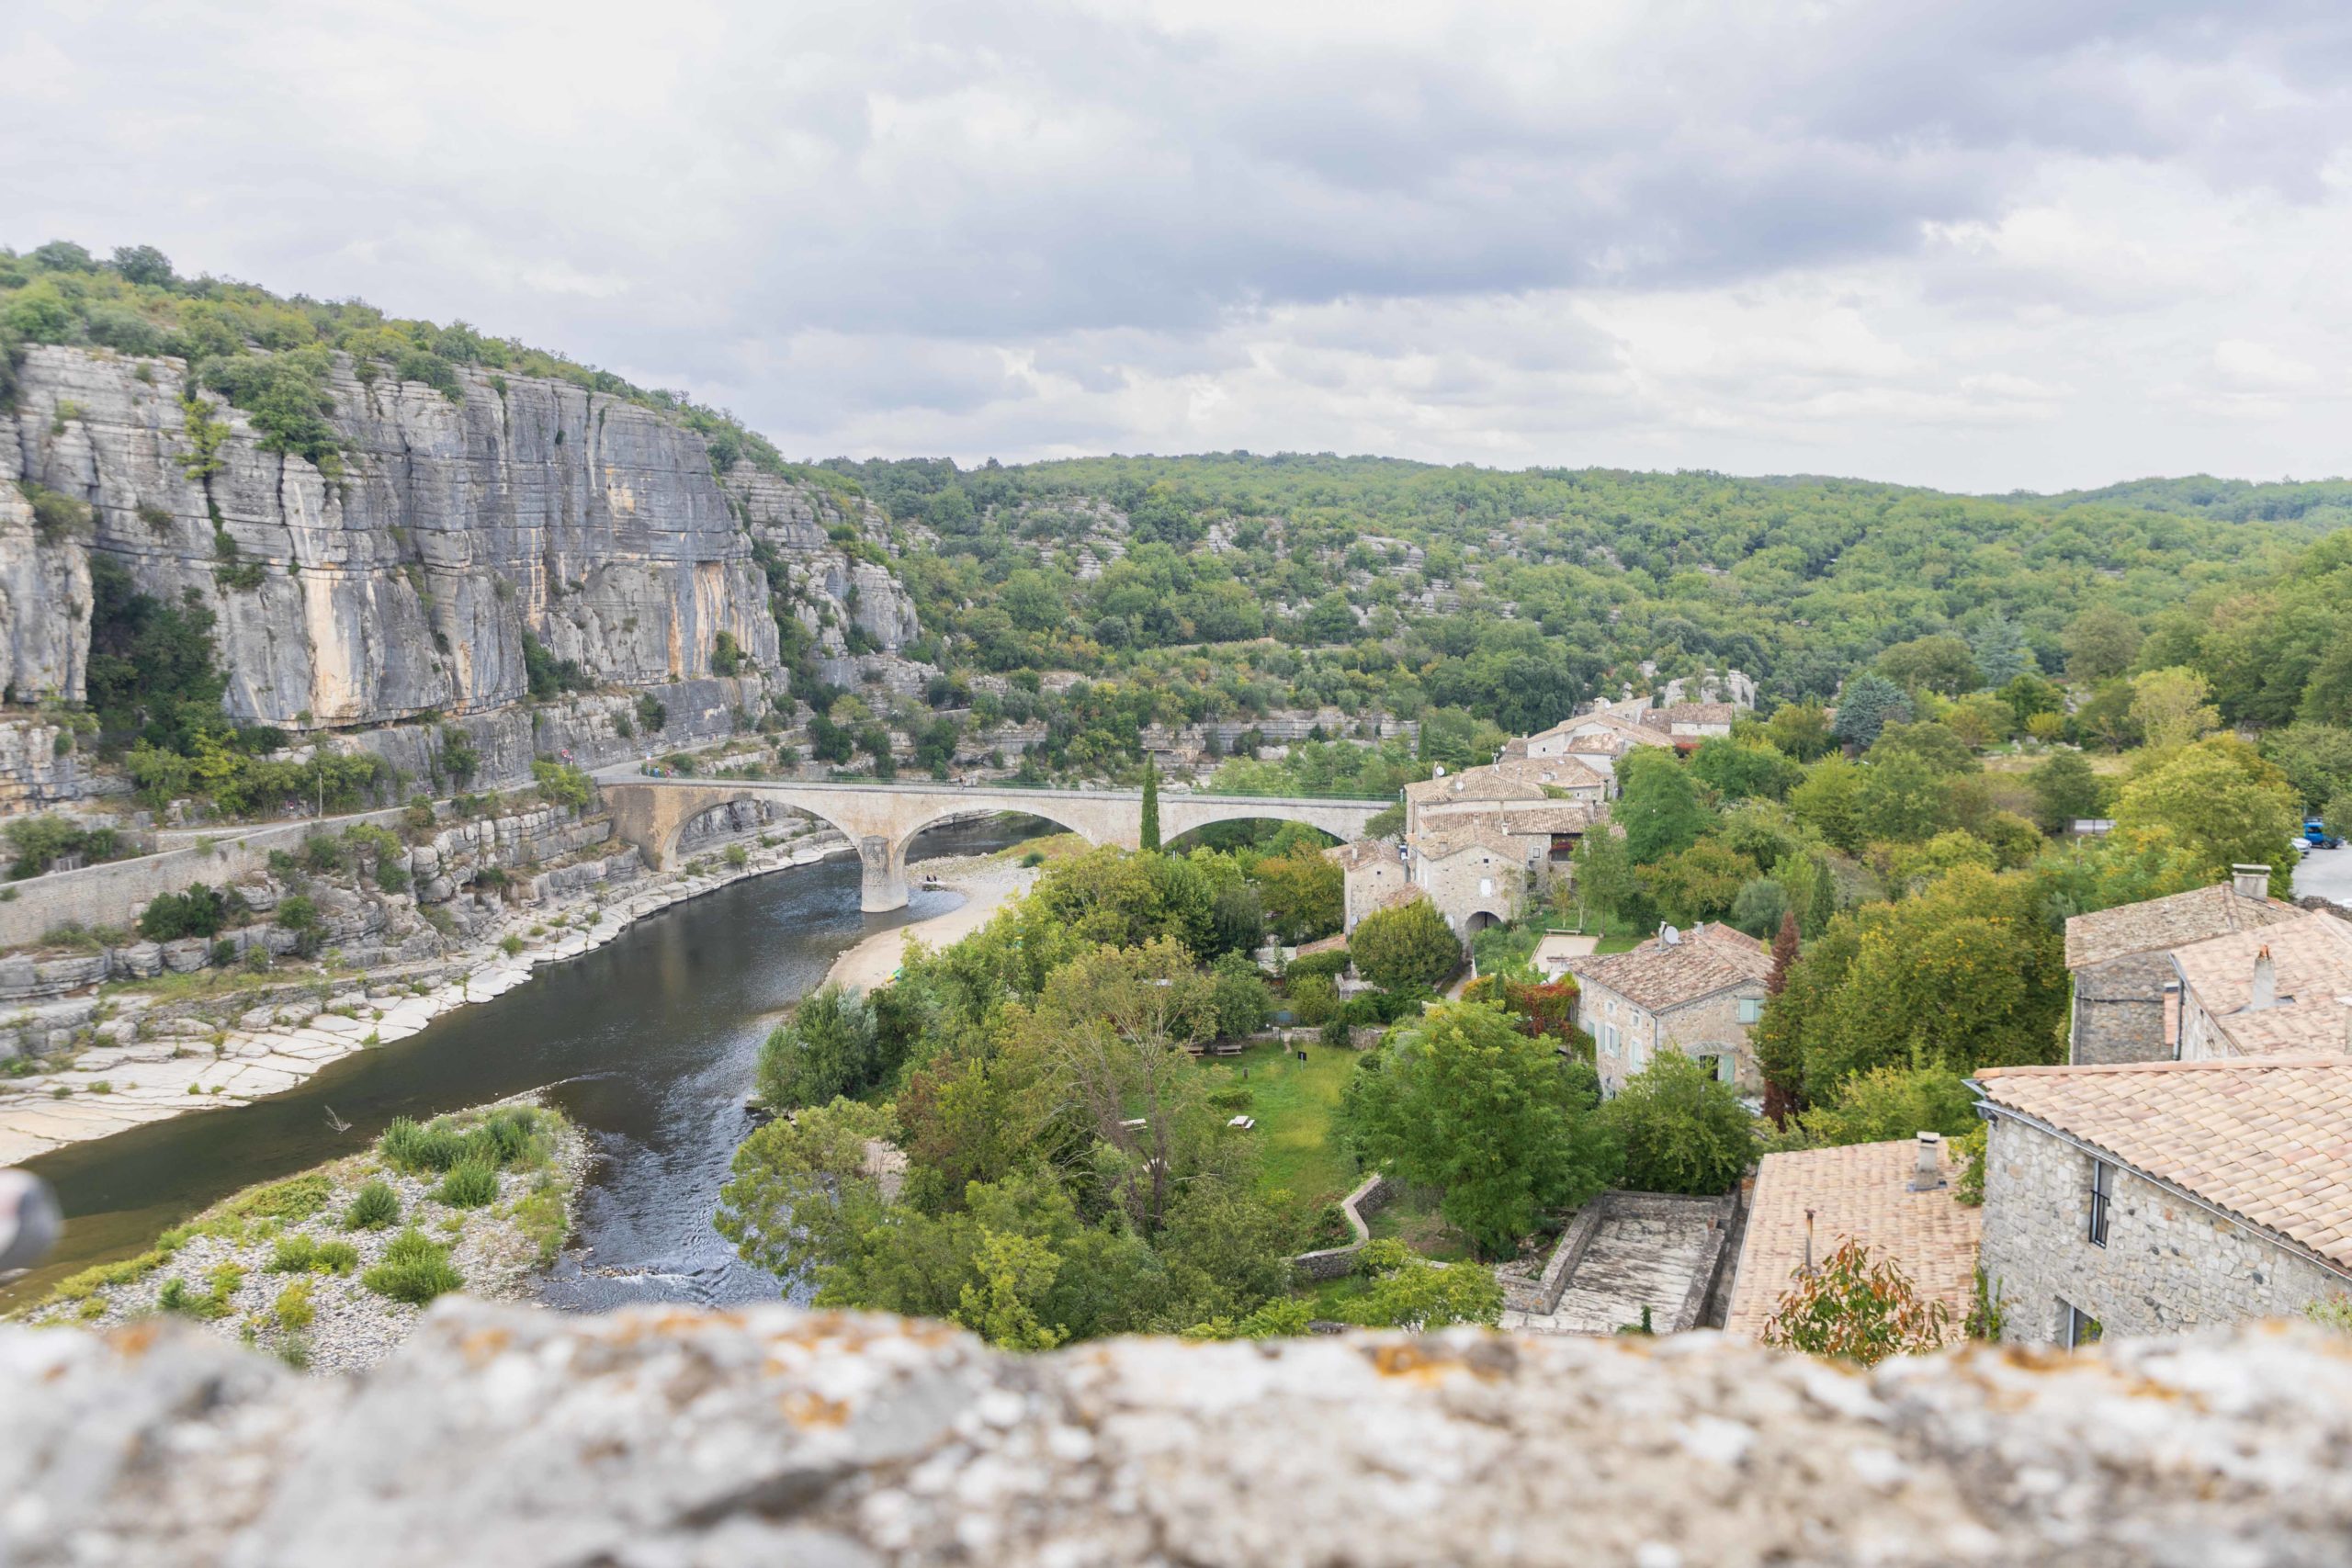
(1690, 713)
(2312, 953)
(1474, 783)
(1355, 856)
(1861, 1191)
(1550, 816)
(1451, 836)
(2295, 1029)
(2267, 1139)
(1557, 773)
(2154, 924)
(1656, 976)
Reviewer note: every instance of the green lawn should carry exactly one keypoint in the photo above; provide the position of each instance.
(1412, 1218)
(1294, 1103)
(1625, 942)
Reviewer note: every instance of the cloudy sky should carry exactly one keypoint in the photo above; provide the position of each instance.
(1975, 244)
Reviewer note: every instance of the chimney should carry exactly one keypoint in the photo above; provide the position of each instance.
(2266, 983)
(2251, 880)
(1928, 1173)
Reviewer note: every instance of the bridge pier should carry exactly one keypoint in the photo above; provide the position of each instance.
(882, 862)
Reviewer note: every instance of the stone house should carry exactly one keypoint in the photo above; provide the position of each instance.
(1478, 870)
(1690, 723)
(1700, 992)
(2282, 990)
(1899, 1199)
(1373, 871)
(2121, 961)
(2159, 1197)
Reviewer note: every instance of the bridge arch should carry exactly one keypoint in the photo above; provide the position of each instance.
(882, 820)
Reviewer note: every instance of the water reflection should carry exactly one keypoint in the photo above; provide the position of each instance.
(649, 1043)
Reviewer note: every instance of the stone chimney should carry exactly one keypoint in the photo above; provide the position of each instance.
(2251, 880)
(2266, 983)
(1927, 1174)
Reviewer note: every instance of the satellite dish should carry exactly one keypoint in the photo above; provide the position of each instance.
(1667, 936)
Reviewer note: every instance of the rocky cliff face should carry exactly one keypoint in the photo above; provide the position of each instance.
(670, 1436)
(405, 585)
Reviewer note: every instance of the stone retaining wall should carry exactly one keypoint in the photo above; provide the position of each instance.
(1543, 1295)
(1331, 1262)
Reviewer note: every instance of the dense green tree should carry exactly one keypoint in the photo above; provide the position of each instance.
(1658, 805)
(1498, 1123)
(1682, 1129)
(1701, 883)
(1999, 649)
(1741, 770)
(1868, 705)
(824, 1051)
(2101, 644)
(2064, 788)
(1943, 664)
(1886, 1103)
(1405, 946)
(2220, 801)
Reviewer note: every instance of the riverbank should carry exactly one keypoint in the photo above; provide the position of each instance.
(193, 1066)
(987, 883)
(330, 1269)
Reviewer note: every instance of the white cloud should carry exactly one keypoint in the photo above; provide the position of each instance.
(1982, 244)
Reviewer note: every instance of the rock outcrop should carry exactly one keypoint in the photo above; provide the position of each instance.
(653, 1437)
(404, 585)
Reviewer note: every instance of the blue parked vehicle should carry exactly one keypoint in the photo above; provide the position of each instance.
(2316, 835)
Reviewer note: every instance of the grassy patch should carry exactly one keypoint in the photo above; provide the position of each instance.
(375, 1206)
(415, 1269)
(470, 1184)
(290, 1201)
(1626, 942)
(541, 1215)
(308, 1255)
(1294, 1103)
(1412, 1218)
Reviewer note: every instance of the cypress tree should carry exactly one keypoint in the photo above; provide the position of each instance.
(1150, 805)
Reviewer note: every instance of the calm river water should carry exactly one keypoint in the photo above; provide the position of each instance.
(648, 1042)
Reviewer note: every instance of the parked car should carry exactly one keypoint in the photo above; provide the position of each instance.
(2316, 835)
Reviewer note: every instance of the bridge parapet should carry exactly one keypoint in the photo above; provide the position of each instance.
(882, 820)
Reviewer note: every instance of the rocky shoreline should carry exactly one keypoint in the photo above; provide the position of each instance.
(174, 1065)
(287, 1267)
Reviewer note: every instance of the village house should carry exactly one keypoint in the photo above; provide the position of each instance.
(1700, 992)
(1900, 1199)
(2283, 989)
(1372, 871)
(2160, 1196)
(1478, 870)
(1692, 722)
(2121, 963)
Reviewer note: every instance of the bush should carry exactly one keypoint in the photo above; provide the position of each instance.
(1857, 1309)
(1409, 945)
(293, 1309)
(560, 783)
(197, 910)
(1683, 1131)
(308, 1255)
(472, 1184)
(375, 1206)
(738, 856)
(1313, 999)
(415, 1270)
(1331, 966)
(652, 717)
(410, 1146)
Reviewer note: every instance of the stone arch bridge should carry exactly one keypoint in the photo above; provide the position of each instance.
(883, 820)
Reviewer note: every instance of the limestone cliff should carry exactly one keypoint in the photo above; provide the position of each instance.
(765, 1436)
(405, 585)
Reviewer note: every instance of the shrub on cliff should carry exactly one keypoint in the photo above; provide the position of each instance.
(560, 783)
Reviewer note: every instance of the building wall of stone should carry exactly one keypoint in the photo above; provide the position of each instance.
(2168, 1266)
(1472, 882)
(2119, 1010)
(1368, 883)
(1700, 1028)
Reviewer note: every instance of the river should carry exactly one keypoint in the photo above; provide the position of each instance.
(648, 1042)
